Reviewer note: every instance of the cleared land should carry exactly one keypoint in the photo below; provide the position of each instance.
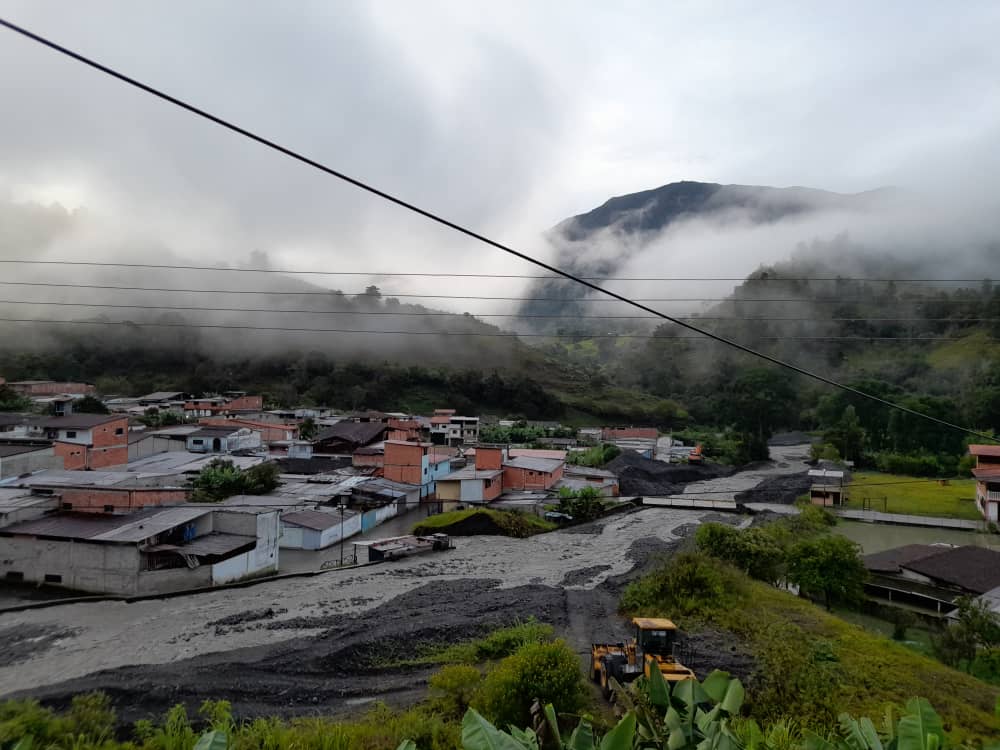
(895, 493)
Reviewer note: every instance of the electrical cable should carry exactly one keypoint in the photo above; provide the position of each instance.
(484, 315)
(299, 272)
(360, 184)
(386, 295)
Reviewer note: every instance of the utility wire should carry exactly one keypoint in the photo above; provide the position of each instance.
(299, 272)
(290, 329)
(360, 184)
(438, 314)
(385, 295)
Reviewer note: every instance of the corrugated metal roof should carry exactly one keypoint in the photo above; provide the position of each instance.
(826, 473)
(985, 450)
(314, 519)
(470, 472)
(17, 450)
(986, 472)
(134, 527)
(161, 520)
(547, 465)
(78, 421)
(537, 453)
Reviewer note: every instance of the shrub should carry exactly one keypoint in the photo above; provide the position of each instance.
(754, 551)
(454, 688)
(549, 672)
(689, 583)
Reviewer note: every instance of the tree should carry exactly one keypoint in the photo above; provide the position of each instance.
(584, 504)
(221, 478)
(90, 405)
(828, 566)
(758, 401)
(308, 428)
(847, 436)
(11, 400)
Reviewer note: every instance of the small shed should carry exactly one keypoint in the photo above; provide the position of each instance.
(316, 529)
(828, 487)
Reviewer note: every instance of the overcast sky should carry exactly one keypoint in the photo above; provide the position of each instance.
(505, 116)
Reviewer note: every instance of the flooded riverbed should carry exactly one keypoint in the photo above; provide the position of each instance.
(876, 537)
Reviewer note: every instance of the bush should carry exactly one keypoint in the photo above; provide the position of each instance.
(754, 551)
(549, 672)
(221, 478)
(912, 465)
(584, 505)
(454, 688)
(689, 584)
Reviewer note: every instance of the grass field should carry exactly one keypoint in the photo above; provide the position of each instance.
(915, 496)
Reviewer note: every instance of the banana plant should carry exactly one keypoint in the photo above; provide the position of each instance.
(480, 734)
(919, 728)
(689, 716)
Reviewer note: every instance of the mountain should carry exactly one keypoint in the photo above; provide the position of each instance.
(600, 242)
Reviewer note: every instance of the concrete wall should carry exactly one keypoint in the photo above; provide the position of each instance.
(85, 566)
(297, 537)
(153, 445)
(24, 463)
(173, 579)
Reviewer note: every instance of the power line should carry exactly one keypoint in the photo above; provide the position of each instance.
(292, 329)
(271, 311)
(360, 184)
(431, 274)
(387, 295)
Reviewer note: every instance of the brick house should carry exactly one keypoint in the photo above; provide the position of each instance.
(987, 474)
(87, 441)
(526, 473)
(415, 463)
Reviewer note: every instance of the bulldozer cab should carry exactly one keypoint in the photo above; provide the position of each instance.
(655, 636)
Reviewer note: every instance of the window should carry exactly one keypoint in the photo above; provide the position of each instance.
(109, 509)
(119, 430)
(15, 575)
(71, 433)
(197, 441)
(67, 506)
(52, 578)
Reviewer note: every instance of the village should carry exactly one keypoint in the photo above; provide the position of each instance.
(102, 503)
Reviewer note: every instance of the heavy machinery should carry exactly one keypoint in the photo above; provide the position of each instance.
(696, 456)
(651, 648)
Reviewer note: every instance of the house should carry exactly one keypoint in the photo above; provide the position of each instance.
(161, 399)
(526, 473)
(469, 485)
(316, 529)
(576, 478)
(25, 456)
(369, 456)
(828, 489)
(18, 504)
(449, 428)
(145, 443)
(405, 429)
(103, 491)
(223, 440)
(931, 576)
(415, 463)
(611, 434)
(269, 432)
(234, 402)
(347, 437)
(150, 551)
(86, 441)
(987, 475)
(50, 388)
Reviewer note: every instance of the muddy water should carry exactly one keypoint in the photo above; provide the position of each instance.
(115, 634)
(92, 637)
(787, 459)
(876, 537)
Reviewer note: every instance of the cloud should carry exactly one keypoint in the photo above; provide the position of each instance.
(504, 118)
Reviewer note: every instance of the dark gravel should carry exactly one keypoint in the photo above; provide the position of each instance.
(644, 476)
(780, 489)
(19, 643)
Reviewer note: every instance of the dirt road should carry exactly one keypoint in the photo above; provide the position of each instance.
(294, 646)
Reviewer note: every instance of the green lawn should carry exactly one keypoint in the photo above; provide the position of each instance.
(507, 523)
(954, 498)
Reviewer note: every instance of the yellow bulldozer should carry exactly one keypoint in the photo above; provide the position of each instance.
(652, 648)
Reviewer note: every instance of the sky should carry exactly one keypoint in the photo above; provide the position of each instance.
(507, 117)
